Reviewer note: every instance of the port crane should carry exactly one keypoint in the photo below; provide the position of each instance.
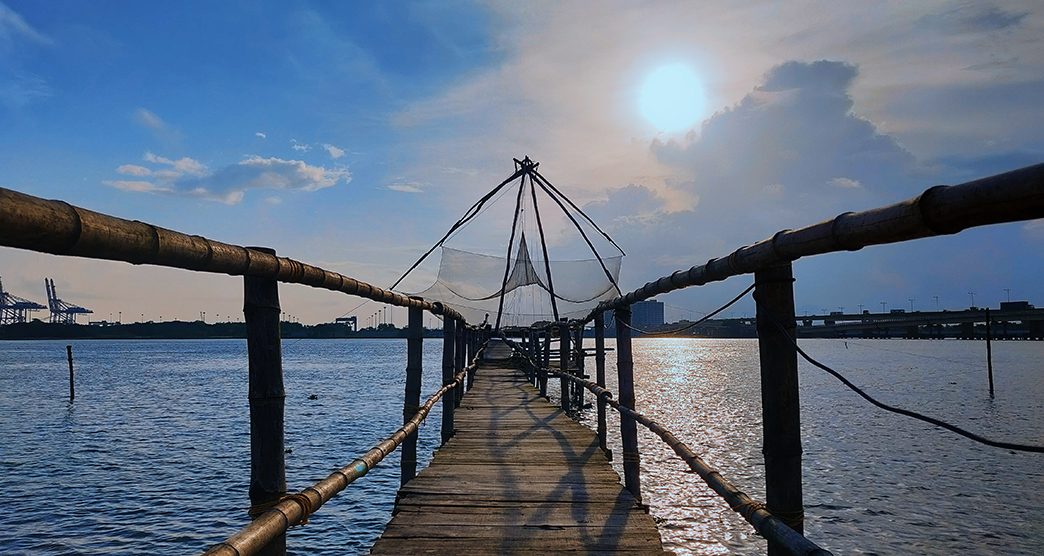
(61, 311)
(14, 309)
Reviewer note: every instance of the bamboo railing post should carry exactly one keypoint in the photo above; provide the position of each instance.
(599, 330)
(266, 396)
(628, 426)
(458, 358)
(579, 391)
(449, 400)
(780, 403)
(72, 387)
(563, 362)
(545, 362)
(989, 352)
(411, 401)
(472, 341)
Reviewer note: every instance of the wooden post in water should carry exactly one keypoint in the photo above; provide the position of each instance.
(72, 387)
(411, 401)
(449, 401)
(628, 427)
(545, 362)
(989, 351)
(471, 341)
(563, 361)
(579, 352)
(266, 396)
(599, 330)
(780, 407)
(458, 358)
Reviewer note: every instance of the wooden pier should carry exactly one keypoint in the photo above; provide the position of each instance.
(518, 476)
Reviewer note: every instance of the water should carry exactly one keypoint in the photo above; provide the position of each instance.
(153, 455)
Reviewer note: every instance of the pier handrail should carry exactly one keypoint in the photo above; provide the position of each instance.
(940, 210)
(294, 509)
(59, 228)
(755, 512)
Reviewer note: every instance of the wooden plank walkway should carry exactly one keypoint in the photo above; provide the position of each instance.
(518, 477)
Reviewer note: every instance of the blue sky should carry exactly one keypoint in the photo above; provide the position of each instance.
(351, 134)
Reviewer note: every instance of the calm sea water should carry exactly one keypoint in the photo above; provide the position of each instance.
(153, 455)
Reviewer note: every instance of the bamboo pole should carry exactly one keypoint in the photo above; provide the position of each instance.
(56, 227)
(458, 358)
(628, 428)
(295, 509)
(989, 351)
(72, 386)
(411, 399)
(780, 403)
(768, 525)
(563, 362)
(599, 329)
(448, 402)
(266, 396)
(578, 393)
(1009, 197)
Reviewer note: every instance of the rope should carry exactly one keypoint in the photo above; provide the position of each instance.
(907, 412)
(697, 323)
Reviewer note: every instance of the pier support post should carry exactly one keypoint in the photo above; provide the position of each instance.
(458, 358)
(781, 412)
(266, 396)
(545, 359)
(578, 391)
(628, 426)
(411, 401)
(599, 330)
(563, 362)
(449, 401)
(471, 341)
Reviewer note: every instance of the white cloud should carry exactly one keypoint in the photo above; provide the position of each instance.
(300, 147)
(189, 177)
(133, 170)
(12, 26)
(333, 151)
(140, 186)
(846, 183)
(149, 119)
(273, 200)
(406, 187)
(260, 134)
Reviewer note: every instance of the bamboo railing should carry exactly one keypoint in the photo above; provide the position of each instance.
(1013, 196)
(940, 210)
(59, 228)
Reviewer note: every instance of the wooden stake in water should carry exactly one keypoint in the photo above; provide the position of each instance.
(989, 351)
(72, 388)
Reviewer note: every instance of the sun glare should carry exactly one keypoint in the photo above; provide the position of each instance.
(672, 98)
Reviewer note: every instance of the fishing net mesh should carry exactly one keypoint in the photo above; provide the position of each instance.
(472, 284)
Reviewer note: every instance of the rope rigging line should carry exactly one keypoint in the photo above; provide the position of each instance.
(511, 245)
(577, 209)
(701, 321)
(907, 412)
(583, 234)
(471, 213)
(543, 246)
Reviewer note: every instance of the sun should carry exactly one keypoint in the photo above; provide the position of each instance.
(672, 98)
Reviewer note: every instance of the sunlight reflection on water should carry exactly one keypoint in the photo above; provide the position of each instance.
(153, 454)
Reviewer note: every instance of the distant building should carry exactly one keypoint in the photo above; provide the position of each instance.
(645, 315)
(1015, 306)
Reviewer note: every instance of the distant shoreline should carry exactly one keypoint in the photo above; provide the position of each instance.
(197, 330)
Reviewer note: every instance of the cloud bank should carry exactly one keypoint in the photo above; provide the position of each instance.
(189, 177)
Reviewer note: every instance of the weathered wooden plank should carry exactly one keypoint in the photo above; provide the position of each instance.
(518, 477)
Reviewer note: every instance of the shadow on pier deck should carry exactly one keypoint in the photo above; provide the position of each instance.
(518, 476)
